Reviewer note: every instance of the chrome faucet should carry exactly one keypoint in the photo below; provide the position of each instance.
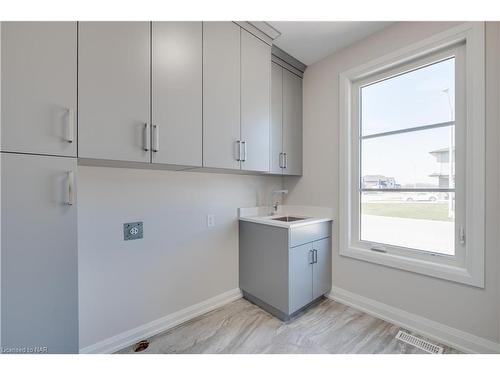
(273, 207)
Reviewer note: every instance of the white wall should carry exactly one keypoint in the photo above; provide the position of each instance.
(180, 262)
(466, 308)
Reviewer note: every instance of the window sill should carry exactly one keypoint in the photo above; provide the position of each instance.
(442, 271)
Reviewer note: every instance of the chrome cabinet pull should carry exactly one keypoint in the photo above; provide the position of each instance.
(285, 160)
(311, 253)
(315, 256)
(238, 150)
(281, 160)
(244, 143)
(156, 138)
(70, 192)
(146, 138)
(70, 132)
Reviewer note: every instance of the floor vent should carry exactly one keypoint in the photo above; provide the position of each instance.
(426, 346)
(141, 346)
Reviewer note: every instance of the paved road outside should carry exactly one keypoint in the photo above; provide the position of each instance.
(429, 235)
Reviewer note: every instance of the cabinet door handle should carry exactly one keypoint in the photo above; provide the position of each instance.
(311, 253)
(285, 160)
(244, 143)
(70, 186)
(70, 132)
(315, 256)
(156, 138)
(238, 150)
(281, 160)
(146, 137)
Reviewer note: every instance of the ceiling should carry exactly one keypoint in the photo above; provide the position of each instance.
(312, 41)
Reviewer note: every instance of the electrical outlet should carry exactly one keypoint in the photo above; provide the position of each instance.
(210, 220)
(132, 231)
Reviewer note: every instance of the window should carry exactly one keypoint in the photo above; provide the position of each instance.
(413, 158)
(407, 129)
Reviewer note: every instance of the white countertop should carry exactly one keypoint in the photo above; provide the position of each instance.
(260, 215)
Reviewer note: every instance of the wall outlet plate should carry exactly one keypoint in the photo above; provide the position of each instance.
(132, 231)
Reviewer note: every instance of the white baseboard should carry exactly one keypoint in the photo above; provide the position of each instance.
(147, 330)
(442, 333)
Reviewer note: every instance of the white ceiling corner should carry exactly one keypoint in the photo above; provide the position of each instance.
(310, 41)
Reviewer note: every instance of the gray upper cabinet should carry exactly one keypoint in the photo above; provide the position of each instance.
(114, 90)
(292, 123)
(221, 94)
(39, 92)
(177, 93)
(276, 154)
(255, 102)
(39, 253)
(286, 122)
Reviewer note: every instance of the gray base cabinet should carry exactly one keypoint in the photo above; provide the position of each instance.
(283, 270)
(39, 254)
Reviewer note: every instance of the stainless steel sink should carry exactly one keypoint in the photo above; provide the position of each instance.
(289, 218)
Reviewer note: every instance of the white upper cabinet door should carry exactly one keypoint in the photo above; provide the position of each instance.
(221, 94)
(39, 72)
(276, 154)
(255, 102)
(114, 90)
(177, 93)
(292, 123)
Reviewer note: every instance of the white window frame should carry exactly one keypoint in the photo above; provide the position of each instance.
(467, 266)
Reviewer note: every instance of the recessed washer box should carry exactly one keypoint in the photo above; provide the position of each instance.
(132, 231)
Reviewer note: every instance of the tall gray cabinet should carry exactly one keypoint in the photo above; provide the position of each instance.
(39, 299)
(39, 253)
(286, 122)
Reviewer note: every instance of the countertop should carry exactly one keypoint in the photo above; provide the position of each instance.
(260, 215)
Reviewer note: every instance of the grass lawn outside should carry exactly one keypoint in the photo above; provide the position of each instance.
(410, 210)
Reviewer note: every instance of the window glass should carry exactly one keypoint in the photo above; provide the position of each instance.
(420, 97)
(417, 158)
(417, 220)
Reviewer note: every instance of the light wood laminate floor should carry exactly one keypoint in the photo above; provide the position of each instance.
(241, 327)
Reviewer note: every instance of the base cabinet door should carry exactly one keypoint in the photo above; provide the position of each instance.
(38, 80)
(176, 93)
(300, 276)
(39, 253)
(322, 270)
(114, 91)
